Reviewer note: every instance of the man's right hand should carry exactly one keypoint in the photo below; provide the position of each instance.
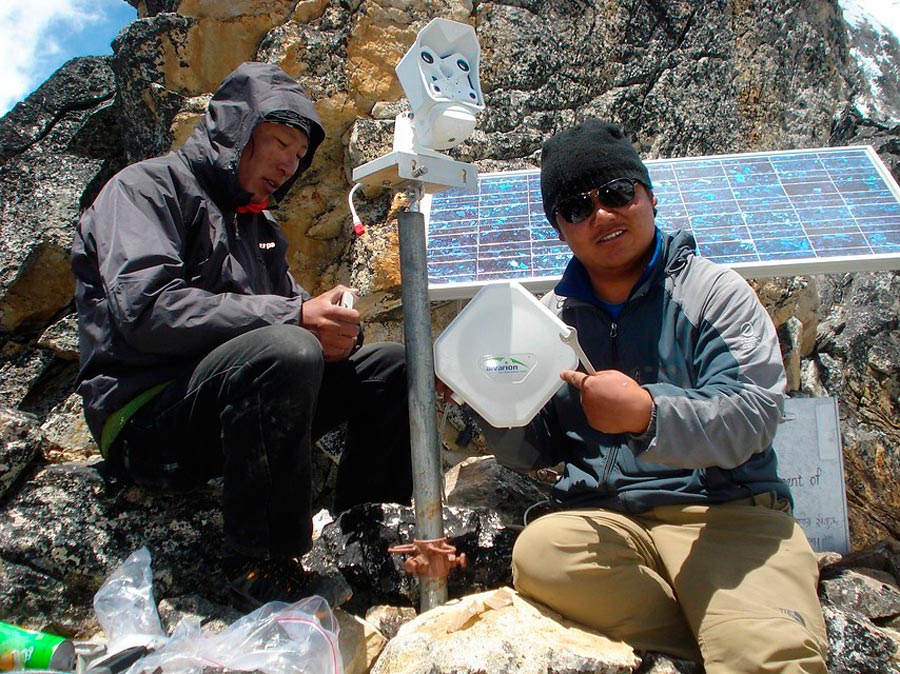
(613, 402)
(336, 327)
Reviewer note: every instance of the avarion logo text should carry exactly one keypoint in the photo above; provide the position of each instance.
(511, 368)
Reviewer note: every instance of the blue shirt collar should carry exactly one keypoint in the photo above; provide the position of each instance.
(576, 282)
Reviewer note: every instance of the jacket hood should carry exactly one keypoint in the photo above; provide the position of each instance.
(244, 99)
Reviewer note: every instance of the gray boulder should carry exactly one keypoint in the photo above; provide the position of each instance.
(69, 527)
(856, 646)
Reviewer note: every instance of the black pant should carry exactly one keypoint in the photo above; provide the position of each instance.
(249, 412)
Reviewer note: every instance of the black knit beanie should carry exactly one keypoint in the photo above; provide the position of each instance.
(584, 157)
(290, 118)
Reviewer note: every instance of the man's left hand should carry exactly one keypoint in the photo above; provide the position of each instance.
(613, 402)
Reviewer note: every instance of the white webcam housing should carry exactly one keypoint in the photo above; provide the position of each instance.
(439, 75)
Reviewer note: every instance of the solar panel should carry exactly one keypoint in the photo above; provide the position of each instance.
(763, 213)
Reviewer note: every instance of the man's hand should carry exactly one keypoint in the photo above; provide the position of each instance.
(336, 327)
(613, 402)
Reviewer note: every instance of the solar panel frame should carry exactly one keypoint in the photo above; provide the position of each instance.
(822, 210)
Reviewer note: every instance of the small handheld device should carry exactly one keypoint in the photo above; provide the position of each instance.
(347, 299)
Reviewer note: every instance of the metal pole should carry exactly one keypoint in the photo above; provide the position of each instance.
(426, 458)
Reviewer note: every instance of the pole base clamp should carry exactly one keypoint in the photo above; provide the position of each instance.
(433, 558)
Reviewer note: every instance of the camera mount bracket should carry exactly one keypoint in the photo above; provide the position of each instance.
(409, 162)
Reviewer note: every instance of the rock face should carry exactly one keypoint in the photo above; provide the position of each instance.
(687, 79)
(56, 150)
(857, 358)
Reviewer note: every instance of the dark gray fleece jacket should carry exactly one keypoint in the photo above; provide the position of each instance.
(166, 270)
(696, 337)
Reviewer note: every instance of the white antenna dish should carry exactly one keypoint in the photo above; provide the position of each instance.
(503, 353)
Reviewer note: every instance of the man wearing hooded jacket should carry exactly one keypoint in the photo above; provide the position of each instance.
(200, 354)
(670, 527)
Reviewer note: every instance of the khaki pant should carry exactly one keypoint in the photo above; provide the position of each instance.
(737, 580)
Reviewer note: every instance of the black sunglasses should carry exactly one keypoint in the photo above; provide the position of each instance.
(578, 208)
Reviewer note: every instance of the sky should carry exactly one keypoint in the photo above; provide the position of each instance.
(38, 36)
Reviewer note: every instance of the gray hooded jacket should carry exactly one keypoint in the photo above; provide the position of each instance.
(166, 269)
(696, 337)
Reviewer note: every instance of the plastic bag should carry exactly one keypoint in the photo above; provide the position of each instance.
(125, 607)
(277, 638)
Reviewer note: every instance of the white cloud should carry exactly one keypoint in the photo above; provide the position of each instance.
(27, 30)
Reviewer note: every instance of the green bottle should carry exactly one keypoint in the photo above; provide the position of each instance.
(24, 649)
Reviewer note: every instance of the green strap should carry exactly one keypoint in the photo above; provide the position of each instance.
(116, 421)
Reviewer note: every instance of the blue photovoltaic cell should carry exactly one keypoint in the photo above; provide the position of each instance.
(765, 214)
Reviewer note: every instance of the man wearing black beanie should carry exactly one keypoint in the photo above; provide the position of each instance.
(671, 529)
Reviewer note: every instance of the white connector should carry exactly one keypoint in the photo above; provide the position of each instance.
(570, 337)
(358, 227)
(347, 299)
